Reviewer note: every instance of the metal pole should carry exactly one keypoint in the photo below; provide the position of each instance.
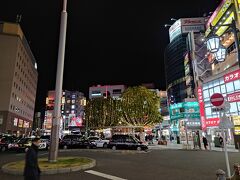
(53, 153)
(186, 133)
(225, 146)
(234, 29)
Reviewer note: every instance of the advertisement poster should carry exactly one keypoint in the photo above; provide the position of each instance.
(76, 121)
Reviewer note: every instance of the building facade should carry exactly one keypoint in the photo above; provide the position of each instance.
(178, 70)
(115, 91)
(212, 76)
(18, 80)
(72, 110)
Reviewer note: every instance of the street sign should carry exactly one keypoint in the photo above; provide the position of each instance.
(217, 99)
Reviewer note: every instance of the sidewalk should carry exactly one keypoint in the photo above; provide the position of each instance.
(170, 145)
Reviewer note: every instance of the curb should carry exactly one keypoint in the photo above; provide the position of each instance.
(5, 169)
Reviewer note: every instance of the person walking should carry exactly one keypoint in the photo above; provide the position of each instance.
(31, 169)
(205, 142)
(195, 141)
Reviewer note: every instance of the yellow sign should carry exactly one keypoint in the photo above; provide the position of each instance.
(237, 130)
(222, 29)
(220, 13)
(236, 120)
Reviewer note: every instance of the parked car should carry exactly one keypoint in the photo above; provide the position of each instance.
(6, 142)
(126, 142)
(24, 143)
(99, 142)
(75, 141)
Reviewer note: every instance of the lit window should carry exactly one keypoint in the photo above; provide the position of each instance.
(205, 94)
(233, 107)
(229, 87)
(211, 92)
(73, 107)
(217, 89)
(73, 101)
(237, 84)
(208, 111)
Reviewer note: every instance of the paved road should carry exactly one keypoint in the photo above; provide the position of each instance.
(132, 165)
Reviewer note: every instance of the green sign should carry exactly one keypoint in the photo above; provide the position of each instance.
(185, 110)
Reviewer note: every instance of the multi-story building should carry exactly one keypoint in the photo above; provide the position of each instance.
(219, 77)
(178, 70)
(18, 80)
(72, 109)
(115, 91)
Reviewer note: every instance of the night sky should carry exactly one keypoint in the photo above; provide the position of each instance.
(108, 42)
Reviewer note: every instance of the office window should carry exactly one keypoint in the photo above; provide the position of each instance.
(211, 92)
(207, 104)
(230, 87)
(233, 107)
(205, 94)
(221, 81)
(216, 83)
(223, 88)
(210, 84)
(217, 89)
(208, 111)
(237, 84)
(205, 86)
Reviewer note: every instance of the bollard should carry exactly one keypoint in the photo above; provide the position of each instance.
(221, 175)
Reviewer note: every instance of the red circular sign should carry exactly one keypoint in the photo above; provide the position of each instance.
(217, 99)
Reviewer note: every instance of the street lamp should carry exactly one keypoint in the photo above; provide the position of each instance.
(167, 25)
(53, 152)
(220, 55)
(213, 42)
(173, 19)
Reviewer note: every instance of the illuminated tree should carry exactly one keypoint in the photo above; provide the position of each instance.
(140, 106)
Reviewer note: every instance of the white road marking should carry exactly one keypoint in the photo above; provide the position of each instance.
(104, 175)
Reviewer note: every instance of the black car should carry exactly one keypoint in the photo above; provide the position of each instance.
(75, 141)
(6, 142)
(126, 142)
(23, 144)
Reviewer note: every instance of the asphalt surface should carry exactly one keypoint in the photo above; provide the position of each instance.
(134, 165)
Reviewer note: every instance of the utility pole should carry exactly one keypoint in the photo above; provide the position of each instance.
(53, 153)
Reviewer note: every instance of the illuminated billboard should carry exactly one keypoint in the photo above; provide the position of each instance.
(76, 121)
(186, 25)
(217, 16)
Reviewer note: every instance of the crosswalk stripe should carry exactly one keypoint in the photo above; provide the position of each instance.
(107, 176)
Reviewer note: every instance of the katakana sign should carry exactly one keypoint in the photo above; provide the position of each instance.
(232, 76)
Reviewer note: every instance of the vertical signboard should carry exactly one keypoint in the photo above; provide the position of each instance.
(201, 108)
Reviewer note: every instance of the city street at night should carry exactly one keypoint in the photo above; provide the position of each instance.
(131, 165)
